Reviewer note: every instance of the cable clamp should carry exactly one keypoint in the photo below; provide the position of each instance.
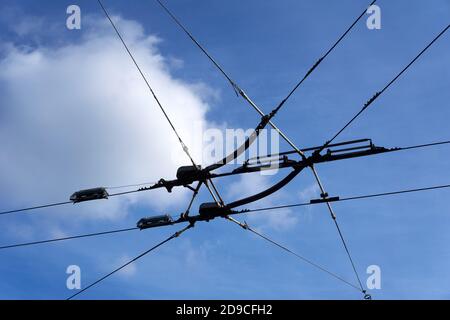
(371, 100)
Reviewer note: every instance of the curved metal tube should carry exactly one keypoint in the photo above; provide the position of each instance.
(280, 184)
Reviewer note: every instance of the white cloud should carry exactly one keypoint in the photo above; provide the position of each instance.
(25, 25)
(79, 115)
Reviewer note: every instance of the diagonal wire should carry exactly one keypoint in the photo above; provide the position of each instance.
(245, 226)
(183, 145)
(189, 34)
(67, 238)
(347, 250)
(175, 235)
(377, 94)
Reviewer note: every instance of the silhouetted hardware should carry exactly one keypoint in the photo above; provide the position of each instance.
(89, 194)
(326, 199)
(269, 156)
(189, 174)
(211, 209)
(156, 221)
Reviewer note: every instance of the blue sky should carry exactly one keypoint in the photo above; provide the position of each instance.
(266, 47)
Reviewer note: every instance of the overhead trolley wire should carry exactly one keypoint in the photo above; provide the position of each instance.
(433, 144)
(175, 235)
(243, 211)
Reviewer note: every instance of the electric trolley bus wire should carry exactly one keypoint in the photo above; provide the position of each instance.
(433, 144)
(245, 211)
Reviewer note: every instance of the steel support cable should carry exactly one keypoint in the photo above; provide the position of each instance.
(219, 175)
(245, 226)
(351, 198)
(377, 94)
(175, 235)
(216, 64)
(183, 145)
